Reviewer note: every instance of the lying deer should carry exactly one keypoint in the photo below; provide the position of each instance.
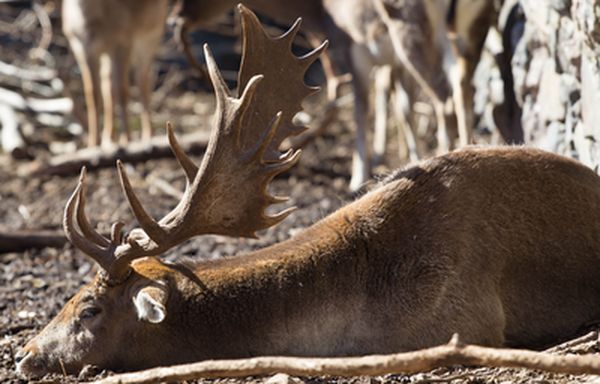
(500, 245)
(108, 38)
(436, 42)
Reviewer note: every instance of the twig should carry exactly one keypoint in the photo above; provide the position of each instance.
(46, 25)
(445, 379)
(453, 353)
(62, 367)
(164, 187)
(592, 336)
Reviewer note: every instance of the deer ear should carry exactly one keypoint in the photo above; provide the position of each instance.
(150, 304)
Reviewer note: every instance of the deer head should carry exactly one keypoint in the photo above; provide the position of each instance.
(122, 319)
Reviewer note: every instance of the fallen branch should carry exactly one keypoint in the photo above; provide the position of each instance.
(35, 74)
(97, 157)
(19, 241)
(17, 101)
(453, 353)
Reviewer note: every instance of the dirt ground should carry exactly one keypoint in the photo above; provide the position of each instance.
(34, 285)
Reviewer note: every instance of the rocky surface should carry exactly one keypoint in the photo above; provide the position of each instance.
(557, 77)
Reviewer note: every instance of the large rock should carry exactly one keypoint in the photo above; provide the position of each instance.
(557, 77)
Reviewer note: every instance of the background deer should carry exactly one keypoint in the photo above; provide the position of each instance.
(108, 38)
(437, 43)
(499, 245)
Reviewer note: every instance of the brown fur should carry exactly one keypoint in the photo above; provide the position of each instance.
(500, 245)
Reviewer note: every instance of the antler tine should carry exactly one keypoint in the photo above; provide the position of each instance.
(186, 163)
(148, 224)
(219, 85)
(102, 256)
(308, 59)
(263, 143)
(86, 228)
(291, 33)
(279, 217)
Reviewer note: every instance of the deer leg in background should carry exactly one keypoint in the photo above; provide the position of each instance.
(360, 70)
(457, 77)
(403, 33)
(145, 77)
(106, 88)
(89, 66)
(333, 81)
(407, 144)
(121, 65)
(383, 85)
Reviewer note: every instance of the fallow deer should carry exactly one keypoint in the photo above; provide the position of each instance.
(499, 245)
(108, 38)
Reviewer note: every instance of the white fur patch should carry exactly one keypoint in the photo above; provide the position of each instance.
(149, 308)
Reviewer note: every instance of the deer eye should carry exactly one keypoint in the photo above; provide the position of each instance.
(89, 312)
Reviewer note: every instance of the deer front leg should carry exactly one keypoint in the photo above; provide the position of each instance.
(89, 67)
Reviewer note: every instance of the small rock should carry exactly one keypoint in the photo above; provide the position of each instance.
(26, 314)
(282, 378)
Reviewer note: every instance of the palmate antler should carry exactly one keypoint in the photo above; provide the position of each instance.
(227, 194)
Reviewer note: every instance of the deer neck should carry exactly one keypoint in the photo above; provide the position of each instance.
(287, 298)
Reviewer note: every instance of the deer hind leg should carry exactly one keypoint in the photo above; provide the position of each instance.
(89, 67)
(121, 70)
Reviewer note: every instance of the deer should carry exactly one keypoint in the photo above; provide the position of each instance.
(497, 244)
(369, 34)
(108, 39)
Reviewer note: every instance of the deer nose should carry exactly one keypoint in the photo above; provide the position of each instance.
(21, 355)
